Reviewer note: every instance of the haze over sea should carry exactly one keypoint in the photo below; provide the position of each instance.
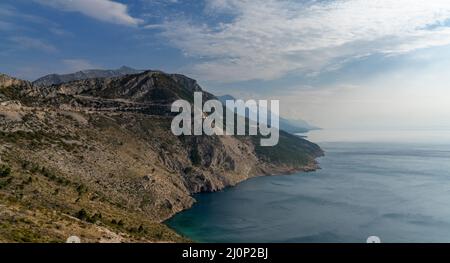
(395, 185)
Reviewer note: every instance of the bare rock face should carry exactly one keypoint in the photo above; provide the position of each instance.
(98, 154)
(55, 79)
(7, 81)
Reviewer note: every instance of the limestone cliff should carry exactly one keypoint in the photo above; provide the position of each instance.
(96, 157)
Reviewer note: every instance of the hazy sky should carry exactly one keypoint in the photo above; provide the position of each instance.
(336, 63)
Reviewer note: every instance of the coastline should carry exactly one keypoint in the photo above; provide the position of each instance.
(349, 199)
(276, 171)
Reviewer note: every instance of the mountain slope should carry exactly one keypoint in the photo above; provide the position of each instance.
(96, 158)
(54, 79)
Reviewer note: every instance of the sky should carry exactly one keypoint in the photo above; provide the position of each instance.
(359, 64)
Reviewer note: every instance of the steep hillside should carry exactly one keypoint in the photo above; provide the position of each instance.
(54, 79)
(96, 158)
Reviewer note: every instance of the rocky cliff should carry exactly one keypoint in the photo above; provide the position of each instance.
(96, 158)
(54, 79)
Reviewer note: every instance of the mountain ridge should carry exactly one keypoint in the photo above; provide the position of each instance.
(97, 157)
(288, 125)
(54, 79)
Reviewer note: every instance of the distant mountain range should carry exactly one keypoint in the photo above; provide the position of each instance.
(288, 125)
(54, 79)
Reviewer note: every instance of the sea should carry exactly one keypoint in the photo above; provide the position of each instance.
(394, 185)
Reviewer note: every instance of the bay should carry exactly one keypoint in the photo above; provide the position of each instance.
(396, 189)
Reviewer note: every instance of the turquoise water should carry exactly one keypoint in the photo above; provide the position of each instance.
(397, 191)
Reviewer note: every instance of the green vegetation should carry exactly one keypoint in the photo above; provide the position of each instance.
(84, 216)
(5, 171)
(195, 157)
(291, 150)
(22, 135)
(81, 189)
(188, 170)
(12, 93)
(39, 138)
(4, 183)
(52, 176)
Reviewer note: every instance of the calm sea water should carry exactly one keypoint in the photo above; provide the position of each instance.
(397, 189)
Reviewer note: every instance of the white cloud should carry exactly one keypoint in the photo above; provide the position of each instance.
(103, 10)
(9, 16)
(267, 39)
(412, 94)
(29, 43)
